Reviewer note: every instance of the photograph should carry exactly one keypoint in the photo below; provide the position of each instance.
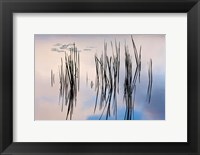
(99, 77)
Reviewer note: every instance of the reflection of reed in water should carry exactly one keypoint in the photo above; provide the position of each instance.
(69, 77)
(106, 83)
(150, 77)
(107, 80)
(130, 81)
(52, 78)
(137, 60)
(116, 67)
(129, 85)
(61, 80)
(86, 78)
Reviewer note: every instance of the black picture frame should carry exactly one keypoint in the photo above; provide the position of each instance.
(8, 7)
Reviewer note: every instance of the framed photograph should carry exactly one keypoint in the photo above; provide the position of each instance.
(99, 77)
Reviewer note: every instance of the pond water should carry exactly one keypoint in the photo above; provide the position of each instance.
(111, 79)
